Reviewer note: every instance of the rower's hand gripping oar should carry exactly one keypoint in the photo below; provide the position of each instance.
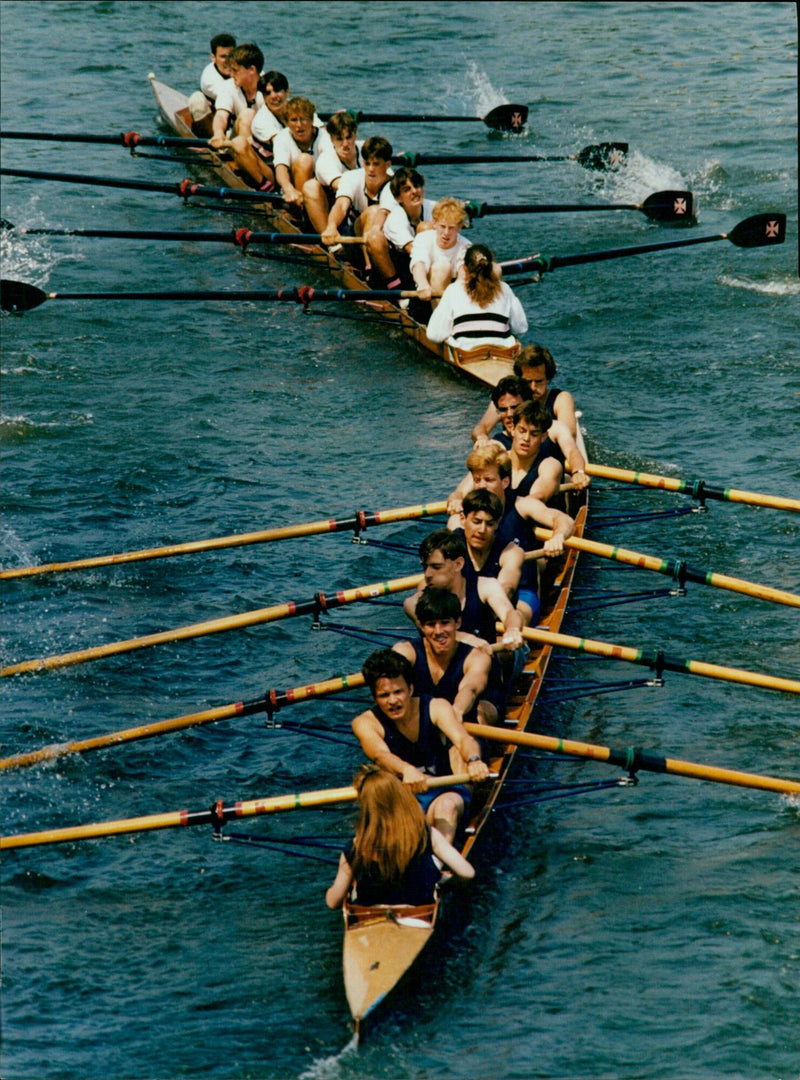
(666, 206)
(760, 230)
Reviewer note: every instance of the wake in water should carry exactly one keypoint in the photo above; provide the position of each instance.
(329, 1068)
(29, 258)
(475, 89)
(773, 287)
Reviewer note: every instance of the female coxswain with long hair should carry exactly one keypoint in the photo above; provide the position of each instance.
(478, 309)
(391, 858)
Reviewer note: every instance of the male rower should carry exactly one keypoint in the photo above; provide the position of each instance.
(438, 254)
(408, 736)
(448, 665)
(297, 148)
(202, 102)
(344, 155)
(239, 100)
(535, 364)
(254, 151)
(483, 600)
(363, 202)
(413, 214)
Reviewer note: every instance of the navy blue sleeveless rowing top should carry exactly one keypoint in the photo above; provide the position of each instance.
(429, 753)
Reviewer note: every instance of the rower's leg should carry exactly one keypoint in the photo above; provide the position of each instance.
(441, 276)
(316, 204)
(445, 813)
(257, 170)
(370, 226)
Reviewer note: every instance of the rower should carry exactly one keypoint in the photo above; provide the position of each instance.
(483, 600)
(535, 364)
(391, 858)
(437, 255)
(296, 149)
(404, 734)
(489, 475)
(363, 202)
(215, 75)
(478, 308)
(254, 151)
(319, 193)
(452, 665)
(239, 99)
(411, 215)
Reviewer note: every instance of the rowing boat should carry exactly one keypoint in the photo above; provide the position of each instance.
(486, 365)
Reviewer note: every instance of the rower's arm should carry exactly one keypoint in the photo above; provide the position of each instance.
(283, 179)
(472, 685)
(444, 717)
(482, 430)
(491, 592)
(548, 479)
(338, 213)
(562, 524)
(456, 497)
(511, 562)
(450, 856)
(219, 127)
(342, 883)
(574, 461)
(564, 410)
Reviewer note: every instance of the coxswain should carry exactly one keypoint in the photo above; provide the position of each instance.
(478, 309)
(392, 857)
(417, 737)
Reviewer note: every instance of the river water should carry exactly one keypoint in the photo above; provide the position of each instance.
(643, 932)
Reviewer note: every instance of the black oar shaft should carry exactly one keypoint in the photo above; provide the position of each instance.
(185, 188)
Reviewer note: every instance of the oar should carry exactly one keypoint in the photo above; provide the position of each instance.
(360, 520)
(698, 489)
(761, 230)
(269, 702)
(320, 602)
(240, 237)
(632, 759)
(659, 661)
(130, 139)
(19, 296)
(500, 118)
(600, 156)
(216, 815)
(678, 570)
(660, 206)
(184, 188)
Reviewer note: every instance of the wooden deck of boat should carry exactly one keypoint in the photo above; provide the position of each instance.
(481, 365)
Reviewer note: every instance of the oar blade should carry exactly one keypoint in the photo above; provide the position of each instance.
(18, 296)
(761, 230)
(670, 206)
(507, 117)
(603, 157)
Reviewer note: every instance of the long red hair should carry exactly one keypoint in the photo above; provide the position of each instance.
(391, 827)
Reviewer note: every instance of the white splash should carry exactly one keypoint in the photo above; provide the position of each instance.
(328, 1068)
(786, 287)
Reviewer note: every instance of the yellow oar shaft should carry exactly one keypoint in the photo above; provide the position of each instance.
(657, 659)
(633, 760)
(178, 723)
(312, 528)
(697, 488)
(217, 815)
(677, 569)
(215, 626)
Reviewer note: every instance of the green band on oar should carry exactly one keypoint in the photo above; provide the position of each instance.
(761, 230)
(634, 759)
(698, 489)
(361, 520)
(660, 661)
(18, 296)
(501, 118)
(271, 702)
(320, 602)
(602, 156)
(217, 815)
(665, 206)
(678, 570)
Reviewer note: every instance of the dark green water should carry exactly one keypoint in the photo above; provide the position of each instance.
(647, 932)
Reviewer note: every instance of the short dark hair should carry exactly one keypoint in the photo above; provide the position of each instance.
(222, 41)
(341, 124)
(533, 413)
(405, 176)
(511, 384)
(450, 545)
(386, 664)
(435, 604)
(274, 79)
(376, 147)
(480, 500)
(247, 56)
(533, 356)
